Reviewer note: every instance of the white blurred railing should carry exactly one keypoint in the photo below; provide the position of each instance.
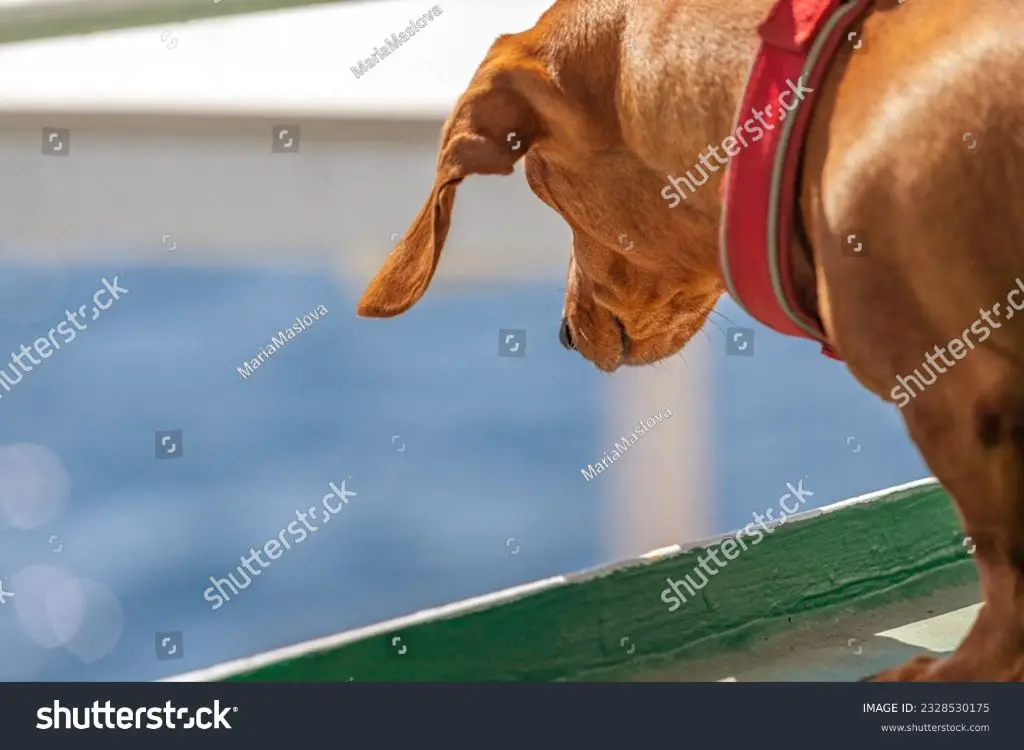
(39, 19)
(176, 160)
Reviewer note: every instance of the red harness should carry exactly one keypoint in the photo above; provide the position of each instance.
(760, 201)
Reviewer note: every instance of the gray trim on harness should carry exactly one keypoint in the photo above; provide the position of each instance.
(776, 187)
(774, 195)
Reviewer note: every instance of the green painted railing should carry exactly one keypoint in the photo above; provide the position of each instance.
(612, 623)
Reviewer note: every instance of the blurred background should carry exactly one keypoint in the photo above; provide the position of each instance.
(234, 174)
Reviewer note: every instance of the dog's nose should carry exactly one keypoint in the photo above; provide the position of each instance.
(565, 335)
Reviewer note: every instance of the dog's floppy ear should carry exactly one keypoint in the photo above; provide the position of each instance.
(492, 126)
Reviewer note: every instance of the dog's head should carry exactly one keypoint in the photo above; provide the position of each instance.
(642, 277)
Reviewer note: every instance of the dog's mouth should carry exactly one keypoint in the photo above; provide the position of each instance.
(624, 340)
(649, 351)
(611, 346)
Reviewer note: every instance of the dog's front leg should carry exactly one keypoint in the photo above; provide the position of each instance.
(973, 439)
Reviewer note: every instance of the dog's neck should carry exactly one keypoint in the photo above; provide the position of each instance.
(716, 83)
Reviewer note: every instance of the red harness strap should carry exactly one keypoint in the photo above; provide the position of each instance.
(759, 205)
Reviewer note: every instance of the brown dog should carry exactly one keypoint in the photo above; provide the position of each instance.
(916, 146)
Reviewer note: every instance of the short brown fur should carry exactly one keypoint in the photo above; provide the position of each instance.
(608, 97)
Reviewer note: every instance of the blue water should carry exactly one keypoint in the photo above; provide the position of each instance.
(488, 448)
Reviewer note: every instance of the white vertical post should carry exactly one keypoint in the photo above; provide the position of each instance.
(658, 493)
